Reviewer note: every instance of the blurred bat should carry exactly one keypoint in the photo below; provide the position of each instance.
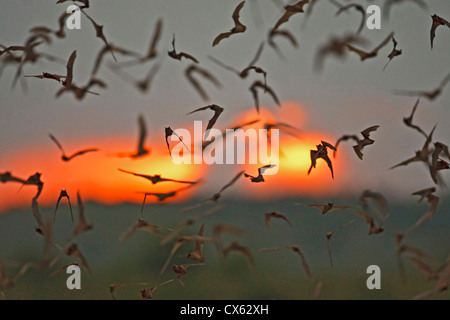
(228, 131)
(297, 250)
(141, 149)
(408, 121)
(439, 148)
(357, 7)
(253, 89)
(238, 26)
(430, 95)
(165, 195)
(370, 220)
(82, 224)
(325, 208)
(281, 33)
(72, 250)
(217, 111)
(178, 56)
(261, 171)
(373, 53)
(270, 215)
(80, 92)
(197, 254)
(157, 178)
(8, 177)
(321, 152)
(143, 85)
(251, 66)
(63, 194)
(181, 270)
(190, 70)
(66, 158)
(115, 286)
(375, 196)
(110, 48)
(148, 293)
(330, 234)
(84, 2)
(421, 155)
(437, 21)
(245, 251)
(178, 243)
(151, 52)
(360, 144)
(433, 201)
(141, 225)
(388, 4)
(63, 268)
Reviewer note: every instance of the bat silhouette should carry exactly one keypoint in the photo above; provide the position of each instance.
(253, 89)
(228, 131)
(363, 55)
(80, 92)
(66, 158)
(371, 221)
(408, 121)
(325, 208)
(217, 111)
(244, 72)
(238, 26)
(177, 56)
(169, 132)
(336, 46)
(110, 48)
(377, 197)
(295, 249)
(361, 143)
(189, 73)
(181, 270)
(261, 170)
(394, 53)
(63, 194)
(270, 215)
(156, 178)
(82, 224)
(197, 254)
(437, 21)
(72, 250)
(388, 4)
(439, 148)
(321, 152)
(421, 155)
(330, 234)
(8, 177)
(152, 50)
(143, 85)
(359, 8)
(148, 293)
(284, 34)
(289, 11)
(141, 225)
(237, 247)
(141, 149)
(430, 95)
(113, 287)
(165, 195)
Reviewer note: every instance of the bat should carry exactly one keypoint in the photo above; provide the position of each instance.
(63, 194)
(197, 254)
(245, 251)
(370, 220)
(325, 208)
(181, 270)
(253, 89)
(141, 225)
(261, 171)
(363, 55)
(143, 85)
(169, 132)
(360, 143)
(330, 234)
(290, 10)
(408, 121)
(295, 249)
(190, 70)
(178, 56)
(238, 26)
(157, 178)
(148, 293)
(430, 95)
(113, 287)
(165, 195)
(321, 152)
(270, 215)
(110, 48)
(394, 53)
(359, 8)
(437, 22)
(217, 112)
(141, 149)
(388, 4)
(66, 158)
(281, 33)
(82, 224)
(439, 148)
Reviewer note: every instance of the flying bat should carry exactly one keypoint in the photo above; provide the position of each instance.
(141, 149)
(178, 56)
(189, 73)
(63, 194)
(261, 171)
(289, 11)
(394, 53)
(259, 85)
(157, 178)
(295, 249)
(437, 21)
(66, 158)
(430, 95)
(321, 152)
(373, 53)
(359, 8)
(360, 143)
(270, 215)
(217, 111)
(169, 132)
(238, 26)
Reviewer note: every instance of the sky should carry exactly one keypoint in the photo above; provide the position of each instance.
(347, 97)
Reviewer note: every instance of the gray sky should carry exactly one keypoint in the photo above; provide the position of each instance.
(346, 98)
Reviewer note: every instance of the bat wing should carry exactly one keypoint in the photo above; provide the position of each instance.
(187, 56)
(257, 55)
(229, 184)
(385, 42)
(155, 38)
(142, 134)
(222, 36)
(263, 169)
